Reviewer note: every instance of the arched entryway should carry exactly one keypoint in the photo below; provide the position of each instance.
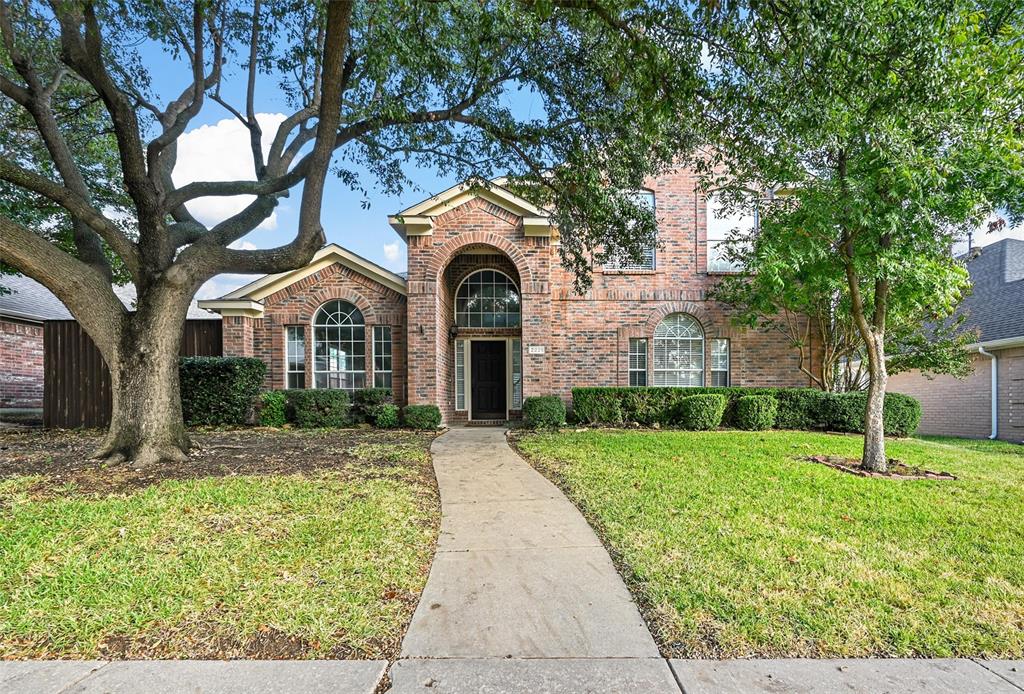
(483, 313)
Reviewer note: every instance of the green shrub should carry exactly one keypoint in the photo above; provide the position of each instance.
(596, 405)
(700, 412)
(220, 390)
(272, 408)
(756, 412)
(311, 409)
(845, 412)
(422, 416)
(366, 403)
(387, 416)
(540, 411)
(801, 408)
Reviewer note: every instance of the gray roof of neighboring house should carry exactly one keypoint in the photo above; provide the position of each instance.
(29, 300)
(996, 305)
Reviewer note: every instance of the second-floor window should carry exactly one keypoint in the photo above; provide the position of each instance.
(647, 257)
(721, 225)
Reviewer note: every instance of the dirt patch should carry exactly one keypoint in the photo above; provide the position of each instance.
(61, 457)
(897, 469)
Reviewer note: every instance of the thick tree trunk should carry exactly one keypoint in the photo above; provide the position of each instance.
(146, 425)
(874, 424)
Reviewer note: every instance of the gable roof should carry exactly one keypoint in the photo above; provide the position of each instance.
(248, 300)
(996, 305)
(418, 220)
(31, 301)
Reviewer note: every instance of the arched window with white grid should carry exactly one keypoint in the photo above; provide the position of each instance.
(679, 351)
(339, 346)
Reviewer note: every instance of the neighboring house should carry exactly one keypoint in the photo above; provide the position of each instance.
(23, 311)
(990, 401)
(487, 316)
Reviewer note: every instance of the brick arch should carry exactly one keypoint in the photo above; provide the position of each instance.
(696, 310)
(318, 299)
(444, 254)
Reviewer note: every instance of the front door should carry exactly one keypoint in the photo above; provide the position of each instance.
(488, 378)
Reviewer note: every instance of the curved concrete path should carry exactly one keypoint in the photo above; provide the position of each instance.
(518, 572)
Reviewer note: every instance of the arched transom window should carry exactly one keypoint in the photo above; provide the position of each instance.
(679, 351)
(339, 346)
(488, 299)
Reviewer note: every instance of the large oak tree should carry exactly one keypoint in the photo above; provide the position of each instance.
(372, 86)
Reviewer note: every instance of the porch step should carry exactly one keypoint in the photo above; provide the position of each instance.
(486, 422)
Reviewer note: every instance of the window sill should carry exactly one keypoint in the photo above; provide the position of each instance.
(723, 273)
(608, 271)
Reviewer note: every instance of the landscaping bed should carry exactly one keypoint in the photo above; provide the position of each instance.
(734, 547)
(265, 544)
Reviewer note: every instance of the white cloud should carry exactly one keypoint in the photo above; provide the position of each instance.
(391, 251)
(220, 152)
(241, 245)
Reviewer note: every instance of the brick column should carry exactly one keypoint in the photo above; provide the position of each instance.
(237, 339)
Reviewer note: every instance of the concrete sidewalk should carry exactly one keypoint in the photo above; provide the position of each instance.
(518, 572)
(192, 676)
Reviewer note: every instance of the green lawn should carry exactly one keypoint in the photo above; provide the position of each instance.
(735, 548)
(325, 557)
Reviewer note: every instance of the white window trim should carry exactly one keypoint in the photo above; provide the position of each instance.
(287, 357)
(728, 360)
(314, 326)
(468, 370)
(455, 300)
(629, 363)
(373, 356)
(654, 370)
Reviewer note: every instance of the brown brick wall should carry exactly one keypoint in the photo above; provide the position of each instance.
(296, 305)
(21, 357)
(962, 407)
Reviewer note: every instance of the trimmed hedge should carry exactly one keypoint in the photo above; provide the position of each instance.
(701, 412)
(796, 408)
(543, 411)
(845, 412)
(272, 408)
(756, 412)
(366, 403)
(422, 416)
(387, 416)
(311, 409)
(219, 390)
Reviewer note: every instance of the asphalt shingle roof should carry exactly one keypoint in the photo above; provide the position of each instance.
(996, 305)
(30, 300)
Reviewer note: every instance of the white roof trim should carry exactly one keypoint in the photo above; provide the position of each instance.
(1003, 343)
(233, 307)
(328, 255)
(417, 220)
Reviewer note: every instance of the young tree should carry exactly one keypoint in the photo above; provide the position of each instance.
(378, 84)
(796, 287)
(894, 125)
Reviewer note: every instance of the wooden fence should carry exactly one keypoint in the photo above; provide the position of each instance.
(76, 382)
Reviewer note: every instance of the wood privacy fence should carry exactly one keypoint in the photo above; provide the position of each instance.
(76, 381)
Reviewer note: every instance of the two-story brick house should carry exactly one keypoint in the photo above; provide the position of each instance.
(486, 315)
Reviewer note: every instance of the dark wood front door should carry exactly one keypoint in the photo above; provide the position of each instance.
(488, 378)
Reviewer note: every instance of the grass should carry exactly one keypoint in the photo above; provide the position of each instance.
(735, 548)
(327, 562)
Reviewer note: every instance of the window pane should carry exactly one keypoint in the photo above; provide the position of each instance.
(720, 362)
(679, 352)
(638, 361)
(295, 364)
(339, 347)
(487, 299)
(460, 374)
(517, 374)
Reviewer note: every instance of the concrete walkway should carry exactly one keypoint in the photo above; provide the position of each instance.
(518, 572)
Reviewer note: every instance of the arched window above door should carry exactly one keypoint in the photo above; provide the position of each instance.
(488, 299)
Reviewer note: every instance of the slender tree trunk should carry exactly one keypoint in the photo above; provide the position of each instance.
(146, 425)
(874, 425)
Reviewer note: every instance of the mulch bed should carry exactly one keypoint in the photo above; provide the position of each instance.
(897, 469)
(61, 457)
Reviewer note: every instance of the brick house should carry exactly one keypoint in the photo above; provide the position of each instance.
(989, 402)
(487, 316)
